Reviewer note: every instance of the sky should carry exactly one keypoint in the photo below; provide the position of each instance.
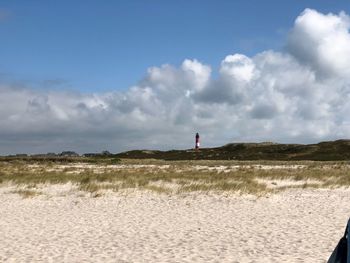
(119, 75)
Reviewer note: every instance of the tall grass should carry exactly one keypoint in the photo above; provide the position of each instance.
(177, 177)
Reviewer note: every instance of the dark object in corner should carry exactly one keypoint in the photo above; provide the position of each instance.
(340, 253)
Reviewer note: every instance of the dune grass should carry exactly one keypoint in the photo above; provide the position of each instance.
(26, 193)
(177, 177)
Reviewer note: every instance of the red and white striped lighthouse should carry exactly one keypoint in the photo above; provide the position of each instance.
(197, 141)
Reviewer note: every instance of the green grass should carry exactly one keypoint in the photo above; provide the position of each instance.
(179, 177)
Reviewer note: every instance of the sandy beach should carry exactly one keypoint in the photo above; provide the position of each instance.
(174, 131)
(65, 225)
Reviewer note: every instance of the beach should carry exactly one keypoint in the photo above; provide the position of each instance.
(174, 131)
(64, 224)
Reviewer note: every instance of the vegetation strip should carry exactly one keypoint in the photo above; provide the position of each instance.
(178, 177)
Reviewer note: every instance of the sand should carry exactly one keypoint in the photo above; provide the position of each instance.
(297, 225)
(77, 168)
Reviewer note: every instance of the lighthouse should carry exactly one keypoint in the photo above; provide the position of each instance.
(197, 141)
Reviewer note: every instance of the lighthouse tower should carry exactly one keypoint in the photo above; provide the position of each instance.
(197, 141)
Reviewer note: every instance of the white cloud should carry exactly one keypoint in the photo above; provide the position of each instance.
(322, 41)
(237, 67)
(299, 95)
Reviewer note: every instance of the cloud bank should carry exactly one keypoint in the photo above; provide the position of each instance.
(299, 95)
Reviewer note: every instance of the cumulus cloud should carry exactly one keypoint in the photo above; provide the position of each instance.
(298, 95)
(322, 41)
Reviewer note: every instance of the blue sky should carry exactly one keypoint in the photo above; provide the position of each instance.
(119, 75)
(107, 45)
